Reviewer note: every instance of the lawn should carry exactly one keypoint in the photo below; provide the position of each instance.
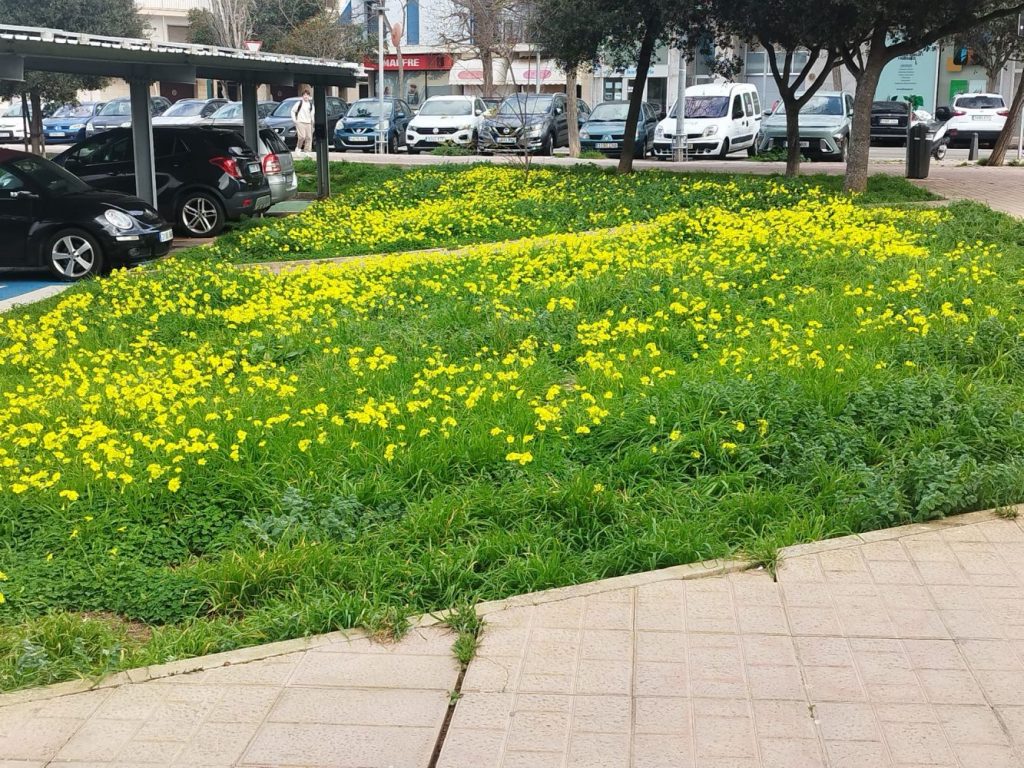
(383, 209)
(195, 457)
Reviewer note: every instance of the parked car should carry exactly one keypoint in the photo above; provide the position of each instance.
(204, 176)
(281, 118)
(117, 113)
(604, 130)
(825, 122)
(492, 103)
(12, 121)
(277, 161)
(67, 124)
(532, 122)
(981, 113)
(189, 111)
(445, 120)
(890, 121)
(719, 119)
(231, 113)
(53, 220)
(357, 130)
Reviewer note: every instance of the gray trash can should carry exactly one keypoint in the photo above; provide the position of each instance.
(919, 152)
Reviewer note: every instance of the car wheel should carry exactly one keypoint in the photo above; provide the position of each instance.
(547, 145)
(72, 255)
(200, 215)
(752, 150)
(939, 151)
(724, 152)
(841, 155)
(392, 144)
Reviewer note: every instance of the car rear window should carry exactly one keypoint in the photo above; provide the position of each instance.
(900, 107)
(980, 102)
(274, 142)
(228, 141)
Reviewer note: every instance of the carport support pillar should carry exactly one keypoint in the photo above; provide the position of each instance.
(142, 141)
(250, 123)
(321, 141)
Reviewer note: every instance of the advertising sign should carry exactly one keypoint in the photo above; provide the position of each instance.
(915, 75)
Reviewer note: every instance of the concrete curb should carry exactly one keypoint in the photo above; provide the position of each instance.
(706, 569)
(33, 296)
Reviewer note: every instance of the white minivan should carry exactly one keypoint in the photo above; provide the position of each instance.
(720, 118)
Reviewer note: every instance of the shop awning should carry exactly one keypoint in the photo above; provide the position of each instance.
(525, 73)
(470, 72)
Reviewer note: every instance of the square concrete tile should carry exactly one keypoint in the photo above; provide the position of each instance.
(342, 746)
(360, 670)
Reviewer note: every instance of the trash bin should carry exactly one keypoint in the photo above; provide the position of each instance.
(919, 152)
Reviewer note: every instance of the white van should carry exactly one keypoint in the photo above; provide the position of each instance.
(720, 118)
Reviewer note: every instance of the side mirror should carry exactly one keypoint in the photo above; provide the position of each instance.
(479, 112)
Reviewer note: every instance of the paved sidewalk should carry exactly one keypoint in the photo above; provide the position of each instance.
(899, 648)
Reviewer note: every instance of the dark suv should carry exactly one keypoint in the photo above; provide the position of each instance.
(204, 176)
(281, 119)
(531, 122)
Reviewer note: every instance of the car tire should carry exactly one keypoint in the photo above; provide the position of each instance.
(840, 156)
(392, 144)
(199, 214)
(753, 150)
(723, 153)
(72, 255)
(939, 152)
(547, 146)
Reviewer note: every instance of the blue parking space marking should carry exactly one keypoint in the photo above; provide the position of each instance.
(12, 287)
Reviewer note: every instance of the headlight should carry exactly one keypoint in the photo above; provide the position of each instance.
(466, 127)
(584, 134)
(77, 127)
(837, 136)
(117, 219)
(659, 131)
(126, 124)
(711, 130)
(534, 130)
(291, 131)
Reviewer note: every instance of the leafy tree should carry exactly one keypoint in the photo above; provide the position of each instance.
(883, 30)
(324, 37)
(581, 31)
(231, 22)
(784, 27)
(994, 45)
(488, 29)
(118, 18)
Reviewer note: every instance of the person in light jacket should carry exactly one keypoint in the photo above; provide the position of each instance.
(302, 116)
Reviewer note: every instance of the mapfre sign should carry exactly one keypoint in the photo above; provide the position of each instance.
(418, 61)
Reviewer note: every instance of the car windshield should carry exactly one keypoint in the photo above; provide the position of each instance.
(49, 176)
(980, 102)
(447, 107)
(890, 106)
(228, 110)
(82, 110)
(13, 111)
(609, 112)
(818, 105)
(284, 109)
(525, 105)
(117, 108)
(185, 109)
(368, 108)
(704, 106)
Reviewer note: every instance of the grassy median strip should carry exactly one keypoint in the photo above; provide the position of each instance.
(195, 457)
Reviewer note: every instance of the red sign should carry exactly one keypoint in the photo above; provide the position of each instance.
(413, 61)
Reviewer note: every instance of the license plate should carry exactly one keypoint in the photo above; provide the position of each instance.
(359, 138)
(888, 121)
(166, 236)
(262, 202)
(507, 139)
(805, 144)
(606, 145)
(6, 135)
(254, 168)
(57, 134)
(980, 117)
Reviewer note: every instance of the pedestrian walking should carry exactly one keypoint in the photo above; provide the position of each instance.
(412, 96)
(302, 116)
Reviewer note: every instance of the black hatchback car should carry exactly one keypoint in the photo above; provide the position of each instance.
(53, 220)
(204, 176)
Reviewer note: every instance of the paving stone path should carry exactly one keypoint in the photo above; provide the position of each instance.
(898, 648)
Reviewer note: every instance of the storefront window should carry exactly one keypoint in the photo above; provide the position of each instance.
(612, 89)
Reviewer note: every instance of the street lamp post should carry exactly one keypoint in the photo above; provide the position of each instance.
(679, 144)
(382, 142)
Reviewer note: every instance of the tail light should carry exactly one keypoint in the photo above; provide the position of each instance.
(959, 113)
(227, 164)
(271, 165)
(1003, 112)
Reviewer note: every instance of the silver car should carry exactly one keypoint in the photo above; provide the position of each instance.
(277, 161)
(825, 122)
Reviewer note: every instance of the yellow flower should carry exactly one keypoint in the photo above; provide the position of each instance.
(389, 452)
(740, 426)
(523, 458)
(174, 484)
(69, 495)
(304, 445)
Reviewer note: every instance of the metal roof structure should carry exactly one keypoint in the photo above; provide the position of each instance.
(55, 50)
(142, 62)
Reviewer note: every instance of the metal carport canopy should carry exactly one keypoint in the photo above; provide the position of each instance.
(142, 62)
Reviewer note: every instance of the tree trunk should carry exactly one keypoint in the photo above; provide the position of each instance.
(36, 123)
(792, 133)
(487, 60)
(859, 149)
(636, 98)
(998, 155)
(837, 78)
(572, 114)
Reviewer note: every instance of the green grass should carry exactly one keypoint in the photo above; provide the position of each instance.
(342, 433)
